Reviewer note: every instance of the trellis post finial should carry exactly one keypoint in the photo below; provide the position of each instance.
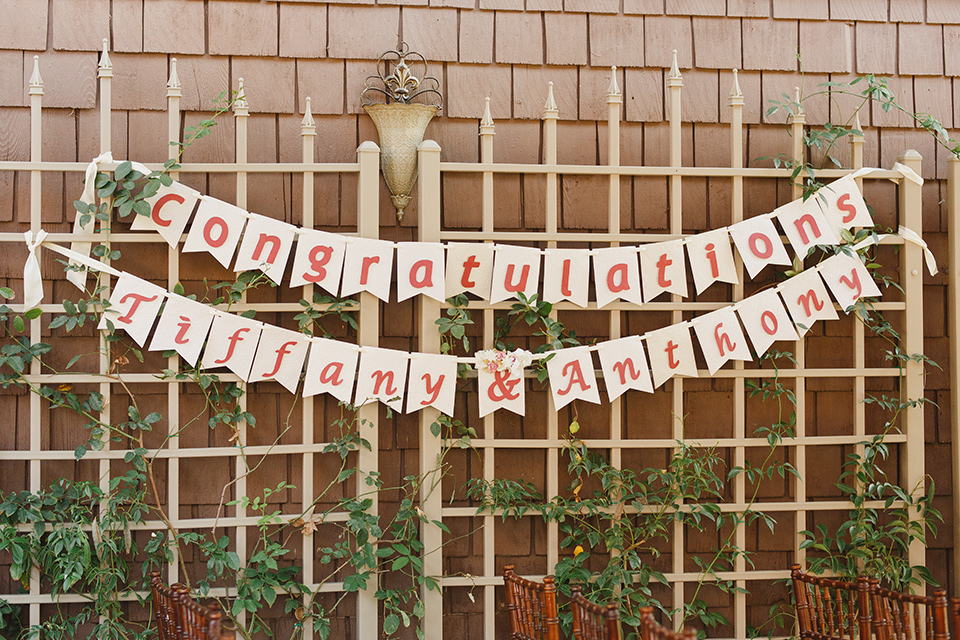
(36, 82)
(799, 117)
(674, 79)
(105, 68)
(550, 109)
(613, 91)
(736, 96)
(173, 83)
(240, 106)
(486, 122)
(308, 126)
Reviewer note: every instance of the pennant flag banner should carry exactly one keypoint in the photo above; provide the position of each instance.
(213, 339)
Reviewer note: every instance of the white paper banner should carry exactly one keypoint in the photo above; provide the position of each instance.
(624, 366)
(183, 327)
(420, 270)
(318, 260)
(721, 338)
(805, 226)
(469, 269)
(134, 305)
(759, 244)
(807, 300)
(671, 353)
(572, 377)
(848, 280)
(662, 269)
(515, 270)
(232, 344)
(170, 211)
(500, 390)
(432, 383)
(844, 205)
(711, 259)
(216, 229)
(383, 376)
(280, 357)
(266, 246)
(766, 320)
(367, 266)
(566, 276)
(332, 368)
(616, 272)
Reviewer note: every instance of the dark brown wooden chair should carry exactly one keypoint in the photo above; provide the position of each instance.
(180, 617)
(593, 621)
(650, 629)
(164, 607)
(904, 616)
(955, 610)
(532, 607)
(829, 609)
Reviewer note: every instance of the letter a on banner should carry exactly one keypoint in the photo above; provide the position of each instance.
(433, 382)
(266, 246)
(807, 300)
(469, 269)
(420, 270)
(616, 272)
(566, 276)
(572, 377)
(515, 270)
(805, 225)
(332, 368)
(766, 320)
(721, 338)
(759, 244)
(848, 280)
(367, 266)
(216, 229)
(711, 259)
(318, 260)
(662, 269)
(170, 210)
(844, 205)
(280, 357)
(134, 305)
(500, 390)
(232, 344)
(183, 327)
(671, 353)
(624, 366)
(383, 377)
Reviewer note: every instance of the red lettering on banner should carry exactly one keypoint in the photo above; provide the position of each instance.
(662, 263)
(155, 212)
(853, 283)
(274, 247)
(317, 264)
(502, 387)
(379, 377)
(565, 280)
(810, 298)
(282, 351)
(208, 231)
(811, 222)
(184, 327)
(137, 299)
(621, 270)
(621, 368)
(433, 390)
(469, 265)
(723, 339)
(365, 269)
(772, 318)
(331, 374)
(426, 280)
(844, 205)
(672, 362)
(767, 252)
(521, 283)
(234, 339)
(712, 257)
(576, 377)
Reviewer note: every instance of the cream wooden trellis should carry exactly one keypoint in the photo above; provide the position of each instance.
(431, 228)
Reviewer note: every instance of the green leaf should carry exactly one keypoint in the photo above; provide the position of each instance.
(391, 624)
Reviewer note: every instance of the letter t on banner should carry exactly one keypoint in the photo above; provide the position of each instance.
(134, 305)
(469, 269)
(671, 353)
(433, 383)
(572, 377)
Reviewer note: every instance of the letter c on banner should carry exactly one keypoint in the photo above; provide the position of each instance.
(155, 213)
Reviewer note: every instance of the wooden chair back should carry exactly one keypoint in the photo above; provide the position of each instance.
(593, 621)
(532, 607)
(164, 608)
(180, 617)
(904, 616)
(829, 609)
(650, 629)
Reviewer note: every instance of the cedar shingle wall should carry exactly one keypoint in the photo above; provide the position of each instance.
(507, 50)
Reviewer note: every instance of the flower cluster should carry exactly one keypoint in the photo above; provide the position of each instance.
(492, 360)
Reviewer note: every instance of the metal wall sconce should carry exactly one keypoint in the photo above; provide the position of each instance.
(399, 121)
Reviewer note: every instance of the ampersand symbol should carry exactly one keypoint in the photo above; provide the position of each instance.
(502, 387)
